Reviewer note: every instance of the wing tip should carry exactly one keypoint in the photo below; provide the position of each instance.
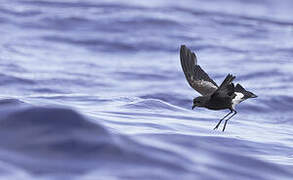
(182, 46)
(231, 77)
(185, 51)
(228, 80)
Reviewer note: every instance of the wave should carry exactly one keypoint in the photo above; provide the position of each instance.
(153, 105)
(127, 115)
(11, 79)
(46, 140)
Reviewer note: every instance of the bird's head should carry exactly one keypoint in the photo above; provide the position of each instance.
(199, 101)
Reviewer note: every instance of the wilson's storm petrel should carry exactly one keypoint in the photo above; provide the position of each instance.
(225, 96)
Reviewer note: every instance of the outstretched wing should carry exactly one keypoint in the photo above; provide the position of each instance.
(196, 77)
(226, 88)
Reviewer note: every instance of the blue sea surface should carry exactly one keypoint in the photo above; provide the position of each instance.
(94, 90)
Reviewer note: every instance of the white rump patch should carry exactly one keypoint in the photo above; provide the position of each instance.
(237, 99)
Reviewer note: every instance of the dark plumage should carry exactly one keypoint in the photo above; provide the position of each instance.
(225, 96)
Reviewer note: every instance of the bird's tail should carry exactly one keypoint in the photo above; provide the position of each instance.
(247, 94)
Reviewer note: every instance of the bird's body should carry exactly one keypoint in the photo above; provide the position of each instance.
(214, 97)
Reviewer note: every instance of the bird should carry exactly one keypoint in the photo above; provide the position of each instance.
(213, 97)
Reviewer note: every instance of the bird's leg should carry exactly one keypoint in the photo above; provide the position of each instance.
(235, 112)
(222, 119)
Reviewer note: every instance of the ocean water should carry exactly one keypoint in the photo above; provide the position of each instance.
(94, 90)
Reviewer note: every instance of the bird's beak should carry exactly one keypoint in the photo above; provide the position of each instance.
(253, 96)
(193, 106)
